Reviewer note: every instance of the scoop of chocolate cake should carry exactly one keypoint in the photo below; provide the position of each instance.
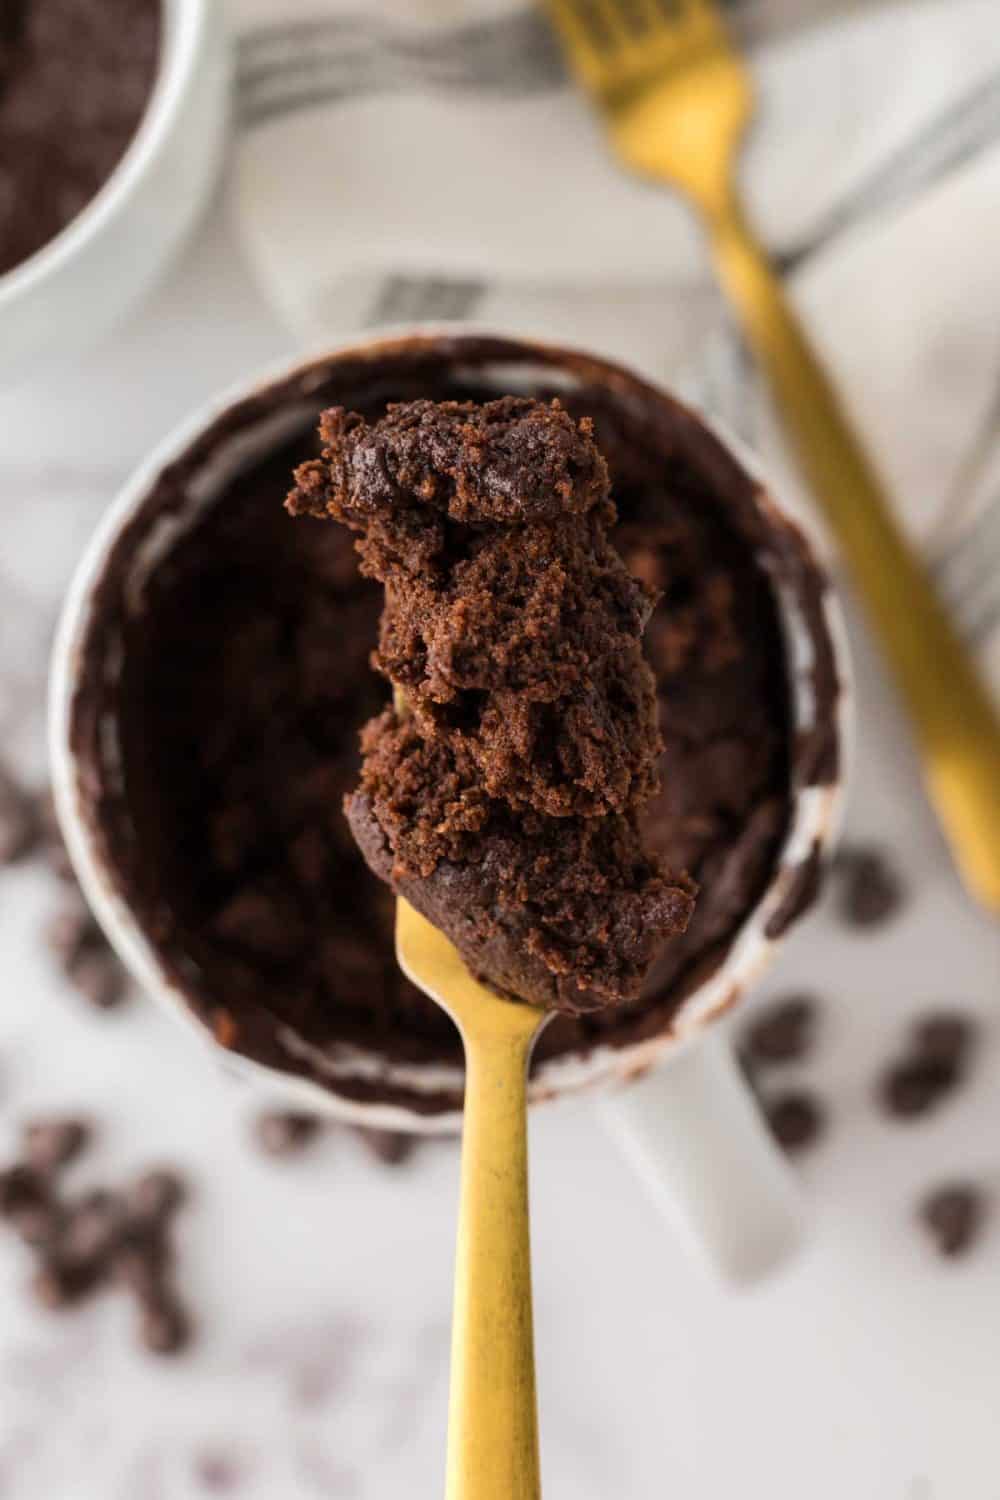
(504, 803)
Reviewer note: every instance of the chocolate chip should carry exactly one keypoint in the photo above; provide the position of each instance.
(283, 1132)
(164, 1327)
(945, 1036)
(155, 1196)
(38, 1225)
(141, 1264)
(390, 1146)
(51, 1144)
(796, 1120)
(99, 977)
(52, 839)
(27, 1205)
(91, 1227)
(218, 1473)
(871, 891)
(21, 1186)
(916, 1085)
(57, 1283)
(783, 1032)
(954, 1215)
(70, 929)
(19, 830)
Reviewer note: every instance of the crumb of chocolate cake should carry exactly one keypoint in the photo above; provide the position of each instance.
(505, 803)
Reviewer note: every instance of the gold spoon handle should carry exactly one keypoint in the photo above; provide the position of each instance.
(493, 1424)
(956, 726)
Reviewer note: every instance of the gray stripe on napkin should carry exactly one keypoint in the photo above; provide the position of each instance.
(284, 68)
(412, 299)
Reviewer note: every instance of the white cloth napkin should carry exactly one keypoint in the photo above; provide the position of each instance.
(404, 162)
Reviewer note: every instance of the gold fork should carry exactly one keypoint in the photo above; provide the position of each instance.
(676, 99)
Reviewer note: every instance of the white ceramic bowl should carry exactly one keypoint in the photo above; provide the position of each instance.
(698, 1141)
(59, 300)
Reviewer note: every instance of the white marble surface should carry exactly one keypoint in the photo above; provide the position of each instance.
(866, 1368)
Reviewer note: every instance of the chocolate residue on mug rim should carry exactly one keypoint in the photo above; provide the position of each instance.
(394, 369)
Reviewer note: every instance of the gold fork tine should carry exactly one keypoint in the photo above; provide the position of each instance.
(578, 37)
(677, 100)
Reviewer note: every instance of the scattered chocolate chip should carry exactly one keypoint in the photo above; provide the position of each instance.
(141, 1264)
(98, 1238)
(68, 930)
(51, 1144)
(796, 1120)
(52, 839)
(218, 1473)
(155, 1196)
(783, 1032)
(21, 1186)
(99, 977)
(164, 1326)
(19, 830)
(91, 1227)
(390, 1146)
(84, 953)
(946, 1037)
(57, 1283)
(954, 1216)
(283, 1132)
(38, 1225)
(871, 891)
(916, 1086)
(27, 1205)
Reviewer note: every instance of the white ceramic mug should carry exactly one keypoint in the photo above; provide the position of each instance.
(71, 289)
(691, 1126)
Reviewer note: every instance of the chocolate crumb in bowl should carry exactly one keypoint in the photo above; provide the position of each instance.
(504, 801)
(796, 1120)
(251, 650)
(870, 889)
(285, 1132)
(75, 78)
(954, 1216)
(783, 1032)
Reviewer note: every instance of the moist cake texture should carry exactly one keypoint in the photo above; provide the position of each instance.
(503, 801)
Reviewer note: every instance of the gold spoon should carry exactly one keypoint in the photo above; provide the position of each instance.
(492, 1418)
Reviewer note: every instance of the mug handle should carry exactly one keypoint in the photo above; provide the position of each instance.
(694, 1134)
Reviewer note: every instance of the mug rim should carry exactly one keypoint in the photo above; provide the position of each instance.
(815, 810)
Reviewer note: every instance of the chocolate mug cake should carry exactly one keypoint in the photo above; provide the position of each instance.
(222, 672)
(501, 791)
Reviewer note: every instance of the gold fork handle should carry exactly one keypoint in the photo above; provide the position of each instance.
(956, 725)
(493, 1425)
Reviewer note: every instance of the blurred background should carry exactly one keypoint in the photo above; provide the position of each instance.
(392, 162)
